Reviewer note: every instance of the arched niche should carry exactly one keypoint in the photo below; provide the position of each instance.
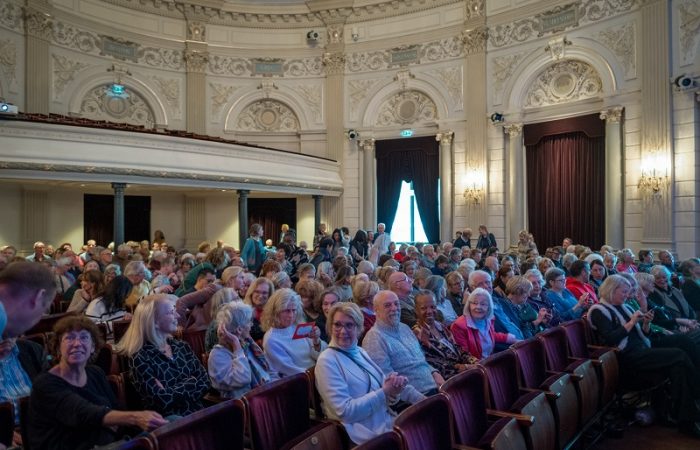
(238, 105)
(86, 84)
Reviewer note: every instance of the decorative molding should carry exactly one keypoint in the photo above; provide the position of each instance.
(474, 40)
(451, 77)
(502, 68)
(245, 67)
(689, 30)
(64, 70)
(444, 49)
(312, 95)
(368, 145)
(358, 90)
(622, 42)
(581, 12)
(266, 86)
(406, 108)
(335, 33)
(474, 9)
(8, 62)
(513, 129)
(612, 115)
(403, 77)
(334, 63)
(169, 88)
(131, 108)
(564, 82)
(196, 61)
(445, 138)
(267, 116)
(298, 16)
(12, 16)
(221, 95)
(38, 23)
(196, 31)
(557, 47)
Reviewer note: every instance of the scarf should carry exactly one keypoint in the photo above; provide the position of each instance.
(255, 353)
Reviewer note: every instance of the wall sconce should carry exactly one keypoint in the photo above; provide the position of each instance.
(654, 176)
(473, 182)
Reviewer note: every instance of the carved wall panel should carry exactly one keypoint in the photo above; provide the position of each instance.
(564, 82)
(11, 16)
(220, 95)
(312, 95)
(689, 36)
(622, 41)
(502, 68)
(443, 49)
(451, 77)
(64, 71)
(358, 90)
(238, 66)
(268, 116)
(98, 104)
(407, 108)
(169, 89)
(8, 64)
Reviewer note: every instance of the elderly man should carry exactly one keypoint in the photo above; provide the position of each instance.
(428, 258)
(503, 324)
(136, 273)
(39, 254)
(401, 284)
(123, 256)
(381, 239)
(394, 348)
(26, 292)
(577, 281)
(491, 264)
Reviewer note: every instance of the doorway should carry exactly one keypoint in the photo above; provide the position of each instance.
(98, 217)
(271, 213)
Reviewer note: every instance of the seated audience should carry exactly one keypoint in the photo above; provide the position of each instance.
(286, 353)
(394, 348)
(436, 340)
(135, 271)
(529, 320)
(563, 300)
(353, 388)
(363, 295)
(578, 281)
(237, 364)
(342, 281)
(455, 290)
(194, 309)
(438, 286)
(165, 371)
(670, 305)
(646, 260)
(310, 293)
(538, 300)
(72, 406)
(400, 284)
(474, 331)
(257, 296)
(110, 306)
(626, 264)
(691, 287)
(598, 274)
(620, 327)
(91, 288)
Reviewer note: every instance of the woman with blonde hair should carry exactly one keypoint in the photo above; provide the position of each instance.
(165, 371)
(259, 292)
(363, 295)
(310, 291)
(286, 353)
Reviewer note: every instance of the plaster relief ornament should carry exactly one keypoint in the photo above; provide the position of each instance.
(8, 63)
(267, 116)
(64, 71)
(564, 82)
(220, 96)
(407, 108)
(99, 104)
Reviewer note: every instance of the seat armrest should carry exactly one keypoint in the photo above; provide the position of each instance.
(463, 447)
(573, 376)
(549, 394)
(522, 419)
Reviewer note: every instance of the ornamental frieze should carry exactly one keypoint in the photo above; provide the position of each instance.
(444, 49)
(11, 16)
(248, 67)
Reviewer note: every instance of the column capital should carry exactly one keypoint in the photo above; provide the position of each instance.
(475, 39)
(334, 63)
(38, 23)
(612, 115)
(119, 187)
(513, 129)
(243, 192)
(445, 137)
(196, 61)
(317, 197)
(367, 144)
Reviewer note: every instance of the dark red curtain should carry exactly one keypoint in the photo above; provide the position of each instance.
(566, 181)
(411, 160)
(271, 213)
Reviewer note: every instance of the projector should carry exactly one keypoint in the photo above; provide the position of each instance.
(8, 109)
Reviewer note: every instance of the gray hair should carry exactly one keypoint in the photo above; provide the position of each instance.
(568, 259)
(116, 268)
(535, 274)
(278, 301)
(659, 270)
(365, 267)
(477, 273)
(135, 268)
(552, 273)
(234, 315)
(220, 298)
(476, 293)
(644, 280)
(435, 284)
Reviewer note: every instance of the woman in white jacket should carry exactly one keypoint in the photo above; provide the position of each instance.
(353, 388)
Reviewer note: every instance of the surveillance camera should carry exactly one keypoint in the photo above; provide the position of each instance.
(497, 118)
(684, 82)
(353, 134)
(313, 35)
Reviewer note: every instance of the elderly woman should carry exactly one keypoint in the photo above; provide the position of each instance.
(310, 293)
(91, 288)
(528, 319)
(474, 331)
(438, 286)
(236, 363)
(281, 280)
(110, 272)
(626, 264)
(135, 271)
(72, 406)
(618, 326)
(288, 354)
(690, 269)
(363, 295)
(455, 290)
(563, 300)
(436, 340)
(257, 296)
(676, 312)
(325, 273)
(165, 371)
(222, 297)
(354, 389)
(538, 300)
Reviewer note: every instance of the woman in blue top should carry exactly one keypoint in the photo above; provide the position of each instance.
(564, 301)
(253, 253)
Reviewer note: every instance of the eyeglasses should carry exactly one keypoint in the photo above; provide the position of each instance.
(84, 338)
(347, 326)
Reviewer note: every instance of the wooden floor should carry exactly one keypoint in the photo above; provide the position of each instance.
(655, 437)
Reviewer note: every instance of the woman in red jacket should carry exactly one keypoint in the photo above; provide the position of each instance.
(474, 330)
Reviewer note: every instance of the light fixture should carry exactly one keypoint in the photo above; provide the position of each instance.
(654, 176)
(407, 133)
(473, 182)
(117, 89)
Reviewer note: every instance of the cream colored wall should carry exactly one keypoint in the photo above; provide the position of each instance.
(222, 219)
(11, 217)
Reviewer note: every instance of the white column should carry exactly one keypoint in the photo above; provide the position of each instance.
(38, 21)
(516, 201)
(35, 219)
(194, 221)
(614, 182)
(369, 183)
(446, 184)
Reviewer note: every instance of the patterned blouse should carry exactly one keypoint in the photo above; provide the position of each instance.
(184, 379)
(440, 349)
